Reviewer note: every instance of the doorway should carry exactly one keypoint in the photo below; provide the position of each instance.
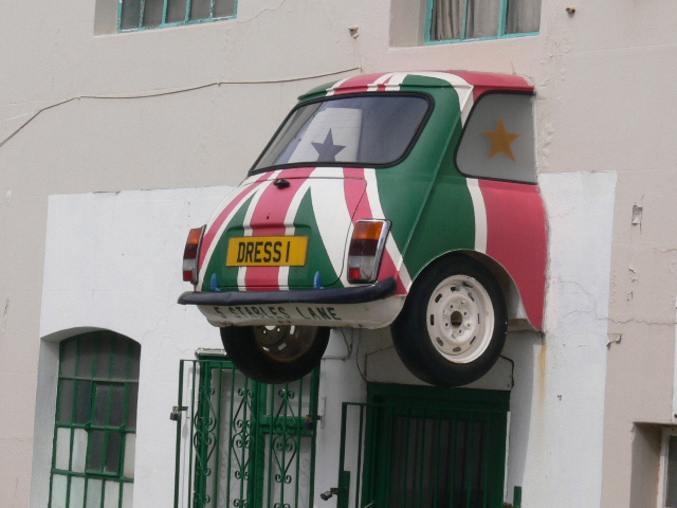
(241, 442)
(420, 446)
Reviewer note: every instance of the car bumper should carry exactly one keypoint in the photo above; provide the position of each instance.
(372, 306)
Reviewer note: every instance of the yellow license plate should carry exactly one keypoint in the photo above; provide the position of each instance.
(267, 251)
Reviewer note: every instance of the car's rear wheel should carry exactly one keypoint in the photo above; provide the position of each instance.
(275, 354)
(453, 325)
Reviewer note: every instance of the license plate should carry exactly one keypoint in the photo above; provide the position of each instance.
(267, 251)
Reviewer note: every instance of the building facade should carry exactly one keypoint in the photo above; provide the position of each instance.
(123, 124)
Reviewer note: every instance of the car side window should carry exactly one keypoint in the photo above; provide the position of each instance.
(498, 139)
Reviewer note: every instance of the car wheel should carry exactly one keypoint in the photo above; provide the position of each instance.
(275, 354)
(453, 325)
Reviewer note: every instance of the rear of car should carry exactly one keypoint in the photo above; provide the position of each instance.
(357, 196)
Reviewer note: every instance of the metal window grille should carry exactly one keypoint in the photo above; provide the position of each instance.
(95, 428)
(424, 447)
(241, 443)
(143, 14)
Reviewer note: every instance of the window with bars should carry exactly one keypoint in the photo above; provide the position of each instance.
(241, 443)
(424, 446)
(141, 14)
(459, 20)
(95, 424)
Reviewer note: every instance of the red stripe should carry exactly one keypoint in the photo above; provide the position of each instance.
(483, 82)
(517, 239)
(354, 187)
(210, 235)
(268, 219)
(359, 199)
(357, 84)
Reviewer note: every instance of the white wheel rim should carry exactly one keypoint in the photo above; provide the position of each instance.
(460, 319)
(285, 343)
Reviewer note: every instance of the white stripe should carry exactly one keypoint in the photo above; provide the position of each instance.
(373, 87)
(332, 90)
(333, 221)
(328, 172)
(480, 212)
(283, 275)
(396, 81)
(392, 81)
(462, 87)
(235, 192)
(377, 213)
(246, 224)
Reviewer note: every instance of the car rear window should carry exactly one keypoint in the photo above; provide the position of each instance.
(373, 130)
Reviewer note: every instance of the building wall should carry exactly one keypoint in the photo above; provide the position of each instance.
(84, 110)
(124, 276)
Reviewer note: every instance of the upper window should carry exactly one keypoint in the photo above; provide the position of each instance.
(458, 20)
(138, 14)
(373, 130)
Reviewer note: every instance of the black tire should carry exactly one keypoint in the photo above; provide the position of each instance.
(275, 354)
(453, 325)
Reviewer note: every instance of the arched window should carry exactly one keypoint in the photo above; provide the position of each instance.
(95, 424)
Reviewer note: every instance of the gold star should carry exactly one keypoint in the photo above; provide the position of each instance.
(501, 140)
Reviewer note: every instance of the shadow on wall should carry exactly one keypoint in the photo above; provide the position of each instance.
(524, 351)
(646, 452)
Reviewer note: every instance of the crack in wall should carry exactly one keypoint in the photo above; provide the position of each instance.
(5, 312)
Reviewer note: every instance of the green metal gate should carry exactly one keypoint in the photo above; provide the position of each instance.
(241, 443)
(416, 447)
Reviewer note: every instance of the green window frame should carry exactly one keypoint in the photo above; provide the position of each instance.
(95, 422)
(136, 15)
(466, 20)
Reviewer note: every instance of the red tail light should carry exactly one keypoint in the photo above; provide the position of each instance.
(190, 255)
(366, 249)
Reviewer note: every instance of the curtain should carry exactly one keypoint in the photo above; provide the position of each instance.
(481, 18)
(447, 20)
(524, 16)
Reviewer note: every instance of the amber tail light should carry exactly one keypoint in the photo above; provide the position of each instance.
(366, 249)
(190, 255)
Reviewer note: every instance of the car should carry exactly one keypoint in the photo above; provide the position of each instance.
(401, 199)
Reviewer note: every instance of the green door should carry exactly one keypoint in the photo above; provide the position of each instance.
(242, 443)
(425, 447)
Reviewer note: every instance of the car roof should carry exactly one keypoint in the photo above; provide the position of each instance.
(479, 82)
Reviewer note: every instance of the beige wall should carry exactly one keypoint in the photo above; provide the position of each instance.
(604, 79)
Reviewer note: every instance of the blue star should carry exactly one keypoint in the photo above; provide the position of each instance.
(327, 150)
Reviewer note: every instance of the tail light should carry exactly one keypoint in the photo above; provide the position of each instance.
(366, 249)
(190, 255)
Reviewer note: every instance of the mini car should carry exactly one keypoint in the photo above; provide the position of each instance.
(403, 199)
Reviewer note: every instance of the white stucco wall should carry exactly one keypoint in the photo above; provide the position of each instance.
(113, 262)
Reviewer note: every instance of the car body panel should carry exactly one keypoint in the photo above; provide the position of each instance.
(434, 210)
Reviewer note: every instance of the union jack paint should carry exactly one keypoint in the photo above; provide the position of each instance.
(446, 158)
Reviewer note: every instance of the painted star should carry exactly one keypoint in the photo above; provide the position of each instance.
(501, 140)
(327, 150)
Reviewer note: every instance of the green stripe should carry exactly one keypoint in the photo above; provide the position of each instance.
(437, 215)
(318, 258)
(226, 276)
